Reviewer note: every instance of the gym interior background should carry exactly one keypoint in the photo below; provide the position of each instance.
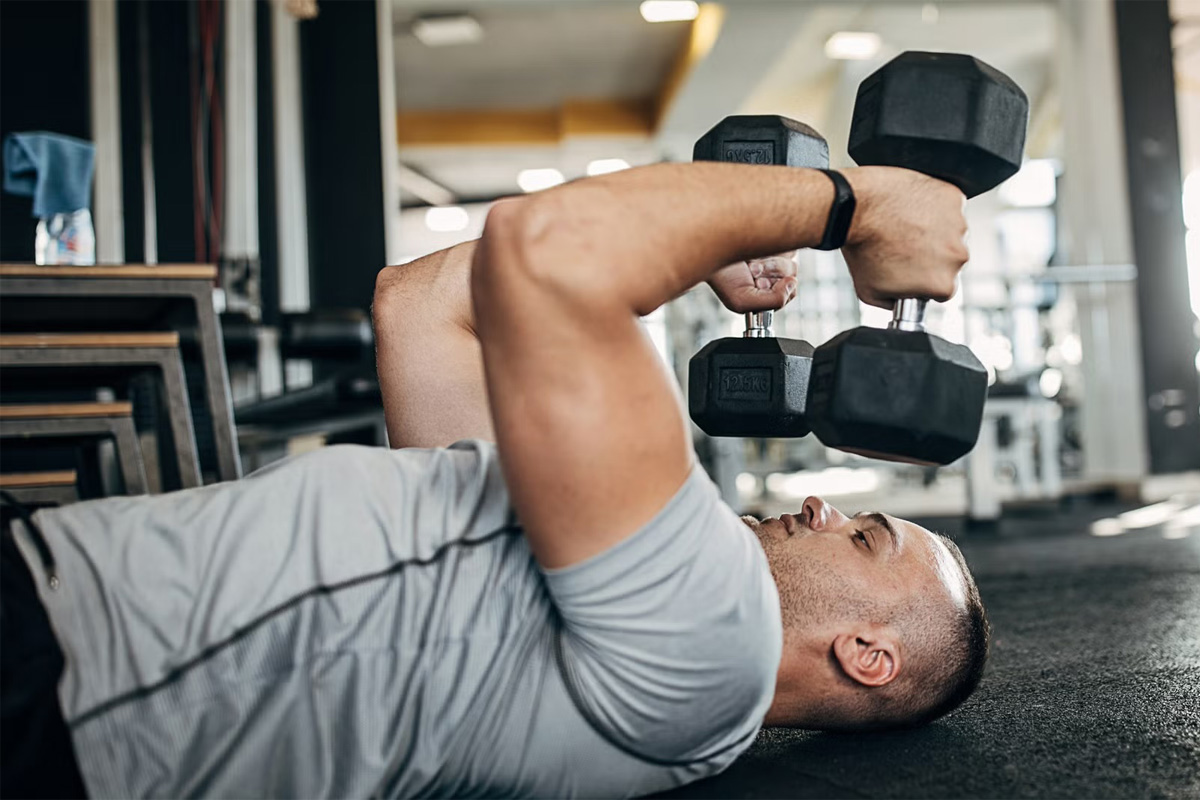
(258, 161)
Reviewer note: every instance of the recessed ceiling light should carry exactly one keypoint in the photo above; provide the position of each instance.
(440, 30)
(534, 180)
(603, 166)
(853, 45)
(446, 219)
(669, 10)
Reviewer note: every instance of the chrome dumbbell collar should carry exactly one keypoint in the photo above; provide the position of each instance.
(908, 315)
(758, 325)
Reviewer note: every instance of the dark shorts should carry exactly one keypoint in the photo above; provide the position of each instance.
(36, 755)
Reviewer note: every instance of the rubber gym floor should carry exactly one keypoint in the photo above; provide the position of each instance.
(1092, 691)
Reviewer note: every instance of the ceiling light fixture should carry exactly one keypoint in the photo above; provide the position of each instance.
(603, 166)
(853, 45)
(447, 219)
(534, 180)
(669, 10)
(440, 30)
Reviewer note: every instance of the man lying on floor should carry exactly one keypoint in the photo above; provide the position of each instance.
(568, 611)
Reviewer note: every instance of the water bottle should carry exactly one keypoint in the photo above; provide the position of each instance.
(66, 239)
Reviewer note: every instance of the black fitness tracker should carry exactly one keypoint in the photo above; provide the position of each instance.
(841, 213)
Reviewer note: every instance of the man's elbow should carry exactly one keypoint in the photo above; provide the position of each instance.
(387, 292)
(530, 242)
(400, 294)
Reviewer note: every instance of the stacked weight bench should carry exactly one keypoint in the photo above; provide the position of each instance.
(48, 488)
(82, 424)
(95, 356)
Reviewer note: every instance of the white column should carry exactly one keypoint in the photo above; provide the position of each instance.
(1095, 226)
(241, 134)
(291, 192)
(149, 196)
(387, 131)
(108, 213)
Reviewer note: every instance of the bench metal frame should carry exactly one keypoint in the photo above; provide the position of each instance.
(134, 360)
(118, 428)
(44, 495)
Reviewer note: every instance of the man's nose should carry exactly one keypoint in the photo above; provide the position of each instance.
(820, 516)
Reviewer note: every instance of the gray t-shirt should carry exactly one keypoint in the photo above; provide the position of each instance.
(360, 621)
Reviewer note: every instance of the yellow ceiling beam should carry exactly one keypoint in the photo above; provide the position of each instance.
(467, 127)
(607, 118)
(479, 127)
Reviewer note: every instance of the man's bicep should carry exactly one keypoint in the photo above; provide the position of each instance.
(589, 425)
(588, 422)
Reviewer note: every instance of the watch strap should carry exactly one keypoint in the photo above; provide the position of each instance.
(841, 212)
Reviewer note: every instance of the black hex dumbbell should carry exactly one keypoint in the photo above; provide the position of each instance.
(756, 384)
(902, 394)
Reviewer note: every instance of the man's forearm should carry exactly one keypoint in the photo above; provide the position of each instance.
(428, 358)
(645, 236)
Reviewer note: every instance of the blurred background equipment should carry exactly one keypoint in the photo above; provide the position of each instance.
(74, 339)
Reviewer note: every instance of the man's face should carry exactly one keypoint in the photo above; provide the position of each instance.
(832, 567)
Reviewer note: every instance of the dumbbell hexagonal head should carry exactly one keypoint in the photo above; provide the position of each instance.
(944, 114)
(763, 139)
(750, 387)
(897, 395)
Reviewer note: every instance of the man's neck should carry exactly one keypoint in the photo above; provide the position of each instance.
(801, 685)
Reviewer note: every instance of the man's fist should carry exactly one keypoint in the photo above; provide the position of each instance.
(907, 237)
(761, 284)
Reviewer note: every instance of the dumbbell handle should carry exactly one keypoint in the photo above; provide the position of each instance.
(758, 325)
(908, 315)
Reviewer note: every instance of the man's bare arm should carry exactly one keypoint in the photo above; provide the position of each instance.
(427, 355)
(589, 425)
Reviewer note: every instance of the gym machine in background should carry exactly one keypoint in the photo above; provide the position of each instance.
(342, 405)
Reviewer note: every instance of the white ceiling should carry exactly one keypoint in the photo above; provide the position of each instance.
(534, 55)
(1015, 37)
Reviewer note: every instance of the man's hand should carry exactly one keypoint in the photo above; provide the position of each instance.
(761, 284)
(907, 238)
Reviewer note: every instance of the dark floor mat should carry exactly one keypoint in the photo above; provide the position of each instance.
(1093, 689)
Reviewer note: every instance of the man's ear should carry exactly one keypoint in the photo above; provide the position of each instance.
(869, 657)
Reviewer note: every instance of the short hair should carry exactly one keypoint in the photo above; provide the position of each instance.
(962, 667)
(947, 660)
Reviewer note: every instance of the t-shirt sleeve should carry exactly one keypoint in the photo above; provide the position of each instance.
(671, 639)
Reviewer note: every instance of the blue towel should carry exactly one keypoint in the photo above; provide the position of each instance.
(55, 170)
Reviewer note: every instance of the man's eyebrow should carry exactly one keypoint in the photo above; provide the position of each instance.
(883, 522)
